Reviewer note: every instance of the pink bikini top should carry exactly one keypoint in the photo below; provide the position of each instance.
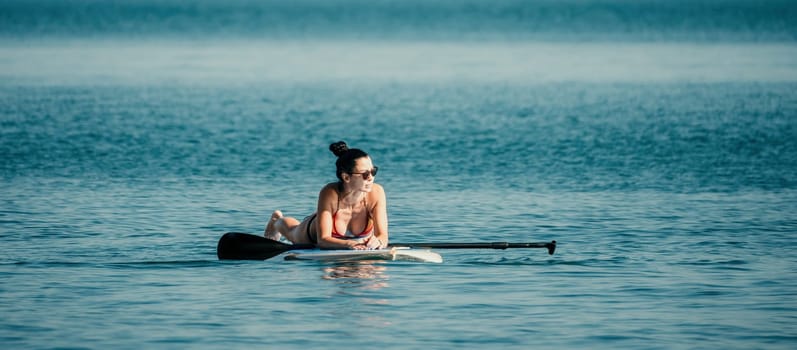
(369, 228)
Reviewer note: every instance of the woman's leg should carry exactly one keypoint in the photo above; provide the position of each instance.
(289, 227)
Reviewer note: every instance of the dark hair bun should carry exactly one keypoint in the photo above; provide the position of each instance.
(339, 148)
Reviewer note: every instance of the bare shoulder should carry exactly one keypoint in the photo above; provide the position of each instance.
(332, 186)
(377, 192)
(330, 190)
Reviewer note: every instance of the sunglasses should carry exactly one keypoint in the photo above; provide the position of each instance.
(368, 173)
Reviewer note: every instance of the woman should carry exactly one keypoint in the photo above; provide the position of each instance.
(351, 213)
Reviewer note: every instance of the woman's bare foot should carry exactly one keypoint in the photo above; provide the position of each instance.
(271, 232)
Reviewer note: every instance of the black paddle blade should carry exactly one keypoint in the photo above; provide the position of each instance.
(245, 246)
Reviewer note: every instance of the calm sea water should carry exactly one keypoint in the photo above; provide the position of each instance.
(656, 141)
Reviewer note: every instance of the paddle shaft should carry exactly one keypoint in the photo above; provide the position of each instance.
(551, 246)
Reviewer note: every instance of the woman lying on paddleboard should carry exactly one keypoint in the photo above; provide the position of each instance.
(351, 213)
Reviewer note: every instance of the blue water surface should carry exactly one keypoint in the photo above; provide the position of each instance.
(654, 140)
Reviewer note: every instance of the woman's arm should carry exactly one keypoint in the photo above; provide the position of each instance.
(380, 216)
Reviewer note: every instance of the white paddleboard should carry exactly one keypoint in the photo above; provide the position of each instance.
(392, 254)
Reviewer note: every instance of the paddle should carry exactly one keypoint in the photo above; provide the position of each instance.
(245, 246)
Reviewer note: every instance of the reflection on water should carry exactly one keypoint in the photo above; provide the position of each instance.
(362, 275)
(359, 294)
